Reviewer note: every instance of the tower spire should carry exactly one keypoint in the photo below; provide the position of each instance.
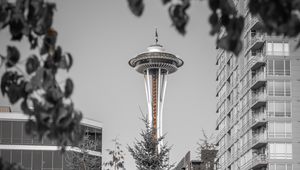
(156, 36)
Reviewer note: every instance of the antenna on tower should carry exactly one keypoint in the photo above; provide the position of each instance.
(156, 36)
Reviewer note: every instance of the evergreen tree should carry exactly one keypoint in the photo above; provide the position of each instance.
(145, 152)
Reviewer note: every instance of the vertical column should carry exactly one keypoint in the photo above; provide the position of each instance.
(154, 102)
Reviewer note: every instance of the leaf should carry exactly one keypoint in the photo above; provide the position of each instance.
(53, 94)
(49, 42)
(4, 14)
(136, 7)
(15, 92)
(32, 64)
(213, 19)
(165, 1)
(17, 25)
(5, 81)
(35, 10)
(66, 62)
(48, 79)
(179, 17)
(30, 126)
(45, 20)
(64, 117)
(33, 41)
(69, 88)
(13, 56)
(26, 110)
(57, 55)
(36, 80)
(214, 4)
(8, 79)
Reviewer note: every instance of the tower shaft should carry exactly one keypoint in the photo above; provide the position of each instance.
(154, 103)
(155, 85)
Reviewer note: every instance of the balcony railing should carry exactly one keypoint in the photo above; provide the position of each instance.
(258, 80)
(259, 140)
(259, 120)
(220, 117)
(259, 161)
(246, 147)
(258, 100)
(220, 134)
(254, 21)
(257, 61)
(245, 127)
(257, 41)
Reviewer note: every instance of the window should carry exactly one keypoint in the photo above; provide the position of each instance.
(16, 156)
(270, 67)
(47, 159)
(6, 132)
(279, 67)
(279, 88)
(280, 166)
(26, 159)
(280, 129)
(277, 49)
(57, 159)
(27, 138)
(280, 151)
(17, 132)
(37, 157)
(279, 109)
(287, 67)
(6, 155)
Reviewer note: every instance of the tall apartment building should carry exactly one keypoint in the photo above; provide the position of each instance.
(18, 147)
(258, 102)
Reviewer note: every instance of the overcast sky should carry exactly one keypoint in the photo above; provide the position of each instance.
(102, 36)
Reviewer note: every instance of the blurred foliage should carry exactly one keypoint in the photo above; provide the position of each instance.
(145, 152)
(279, 17)
(33, 80)
(82, 160)
(117, 155)
(9, 166)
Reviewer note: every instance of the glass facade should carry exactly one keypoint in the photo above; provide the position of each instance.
(12, 133)
(257, 108)
(37, 160)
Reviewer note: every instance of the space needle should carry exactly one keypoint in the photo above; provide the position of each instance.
(155, 64)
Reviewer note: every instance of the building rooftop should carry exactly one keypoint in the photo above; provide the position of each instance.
(22, 117)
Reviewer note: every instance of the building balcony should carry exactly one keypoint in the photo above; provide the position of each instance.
(245, 127)
(259, 100)
(258, 80)
(257, 41)
(257, 61)
(246, 146)
(219, 119)
(259, 141)
(255, 23)
(221, 99)
(259, 120)
(220, 134)
(259, 161)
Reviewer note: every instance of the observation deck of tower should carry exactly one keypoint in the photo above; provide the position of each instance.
(155, 64)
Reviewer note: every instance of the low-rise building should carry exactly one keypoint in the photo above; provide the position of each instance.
(34, 154)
